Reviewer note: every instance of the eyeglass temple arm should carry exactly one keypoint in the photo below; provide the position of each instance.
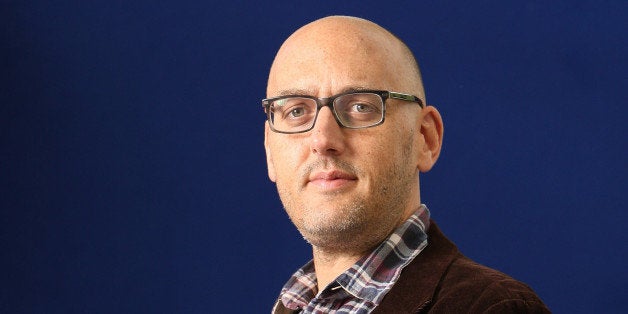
(406, 97)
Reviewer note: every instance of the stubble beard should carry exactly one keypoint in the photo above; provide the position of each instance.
(356, 224)
(335, 228)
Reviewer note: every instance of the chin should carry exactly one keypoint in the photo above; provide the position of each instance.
(332, 227)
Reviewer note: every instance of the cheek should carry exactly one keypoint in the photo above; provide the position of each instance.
(394, 150)
(286, 158)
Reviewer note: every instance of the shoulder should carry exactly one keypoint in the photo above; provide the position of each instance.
(472, 288)
(442, 280)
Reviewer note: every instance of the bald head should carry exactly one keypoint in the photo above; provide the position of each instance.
(322, 56)
(347, 188)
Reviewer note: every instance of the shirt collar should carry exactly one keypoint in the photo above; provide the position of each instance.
(371, 277)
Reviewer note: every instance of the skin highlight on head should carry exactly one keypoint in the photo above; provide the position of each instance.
(327, 38)
(346, 190)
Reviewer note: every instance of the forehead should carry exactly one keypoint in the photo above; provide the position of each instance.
(328, 61)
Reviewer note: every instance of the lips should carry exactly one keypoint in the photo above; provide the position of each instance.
(330, 180)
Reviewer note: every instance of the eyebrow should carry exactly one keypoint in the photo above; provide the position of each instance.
(310, 92)
(295, 91)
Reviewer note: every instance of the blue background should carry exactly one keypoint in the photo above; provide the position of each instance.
(133, 174)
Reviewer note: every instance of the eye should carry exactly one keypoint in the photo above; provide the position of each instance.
(362, 108)
(295, 112)
(293, 108)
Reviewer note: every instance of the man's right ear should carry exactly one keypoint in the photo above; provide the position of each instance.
(432, 136)
(269, 159)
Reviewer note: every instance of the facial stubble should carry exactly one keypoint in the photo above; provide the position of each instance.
(360, 222)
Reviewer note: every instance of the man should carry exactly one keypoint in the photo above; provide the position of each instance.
(348, 132)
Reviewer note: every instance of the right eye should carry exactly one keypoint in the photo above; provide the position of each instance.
(295, 112)
(295, 109)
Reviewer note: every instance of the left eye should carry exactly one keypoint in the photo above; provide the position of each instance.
(362, 107)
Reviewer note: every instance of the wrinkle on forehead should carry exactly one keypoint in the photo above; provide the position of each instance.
(312, 92)
(348, 45)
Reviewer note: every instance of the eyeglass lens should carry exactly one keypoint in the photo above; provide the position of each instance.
(356, 110)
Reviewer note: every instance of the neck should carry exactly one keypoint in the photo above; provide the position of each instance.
(329, 265)
(330, 262)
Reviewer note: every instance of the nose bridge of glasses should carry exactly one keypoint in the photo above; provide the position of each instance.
(325, 102)
(329, 103)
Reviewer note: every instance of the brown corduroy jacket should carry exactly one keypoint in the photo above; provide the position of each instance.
(442, 280)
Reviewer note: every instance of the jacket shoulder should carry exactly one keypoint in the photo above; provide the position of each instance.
(469, 287)
(442, 280)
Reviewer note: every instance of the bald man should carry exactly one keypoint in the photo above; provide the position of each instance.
(348, 131)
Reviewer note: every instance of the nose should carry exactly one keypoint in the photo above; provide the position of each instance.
(327, 138)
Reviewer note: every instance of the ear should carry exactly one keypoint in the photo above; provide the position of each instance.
(431, 138)
(269, 159)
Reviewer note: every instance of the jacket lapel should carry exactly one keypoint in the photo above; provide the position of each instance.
(420, 280)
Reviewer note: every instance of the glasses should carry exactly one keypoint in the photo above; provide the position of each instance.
(354, 110)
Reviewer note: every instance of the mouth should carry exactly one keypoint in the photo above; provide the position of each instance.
(331, 180)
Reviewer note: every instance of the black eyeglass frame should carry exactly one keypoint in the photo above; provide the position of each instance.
(329, 101)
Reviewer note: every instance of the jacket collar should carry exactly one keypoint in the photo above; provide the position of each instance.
(428, 269)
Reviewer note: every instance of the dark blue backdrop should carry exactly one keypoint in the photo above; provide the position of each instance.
(133, 172)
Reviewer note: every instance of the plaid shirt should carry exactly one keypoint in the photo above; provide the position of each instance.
(362, 287)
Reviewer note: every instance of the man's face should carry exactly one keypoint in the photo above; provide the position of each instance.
(342, 187)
